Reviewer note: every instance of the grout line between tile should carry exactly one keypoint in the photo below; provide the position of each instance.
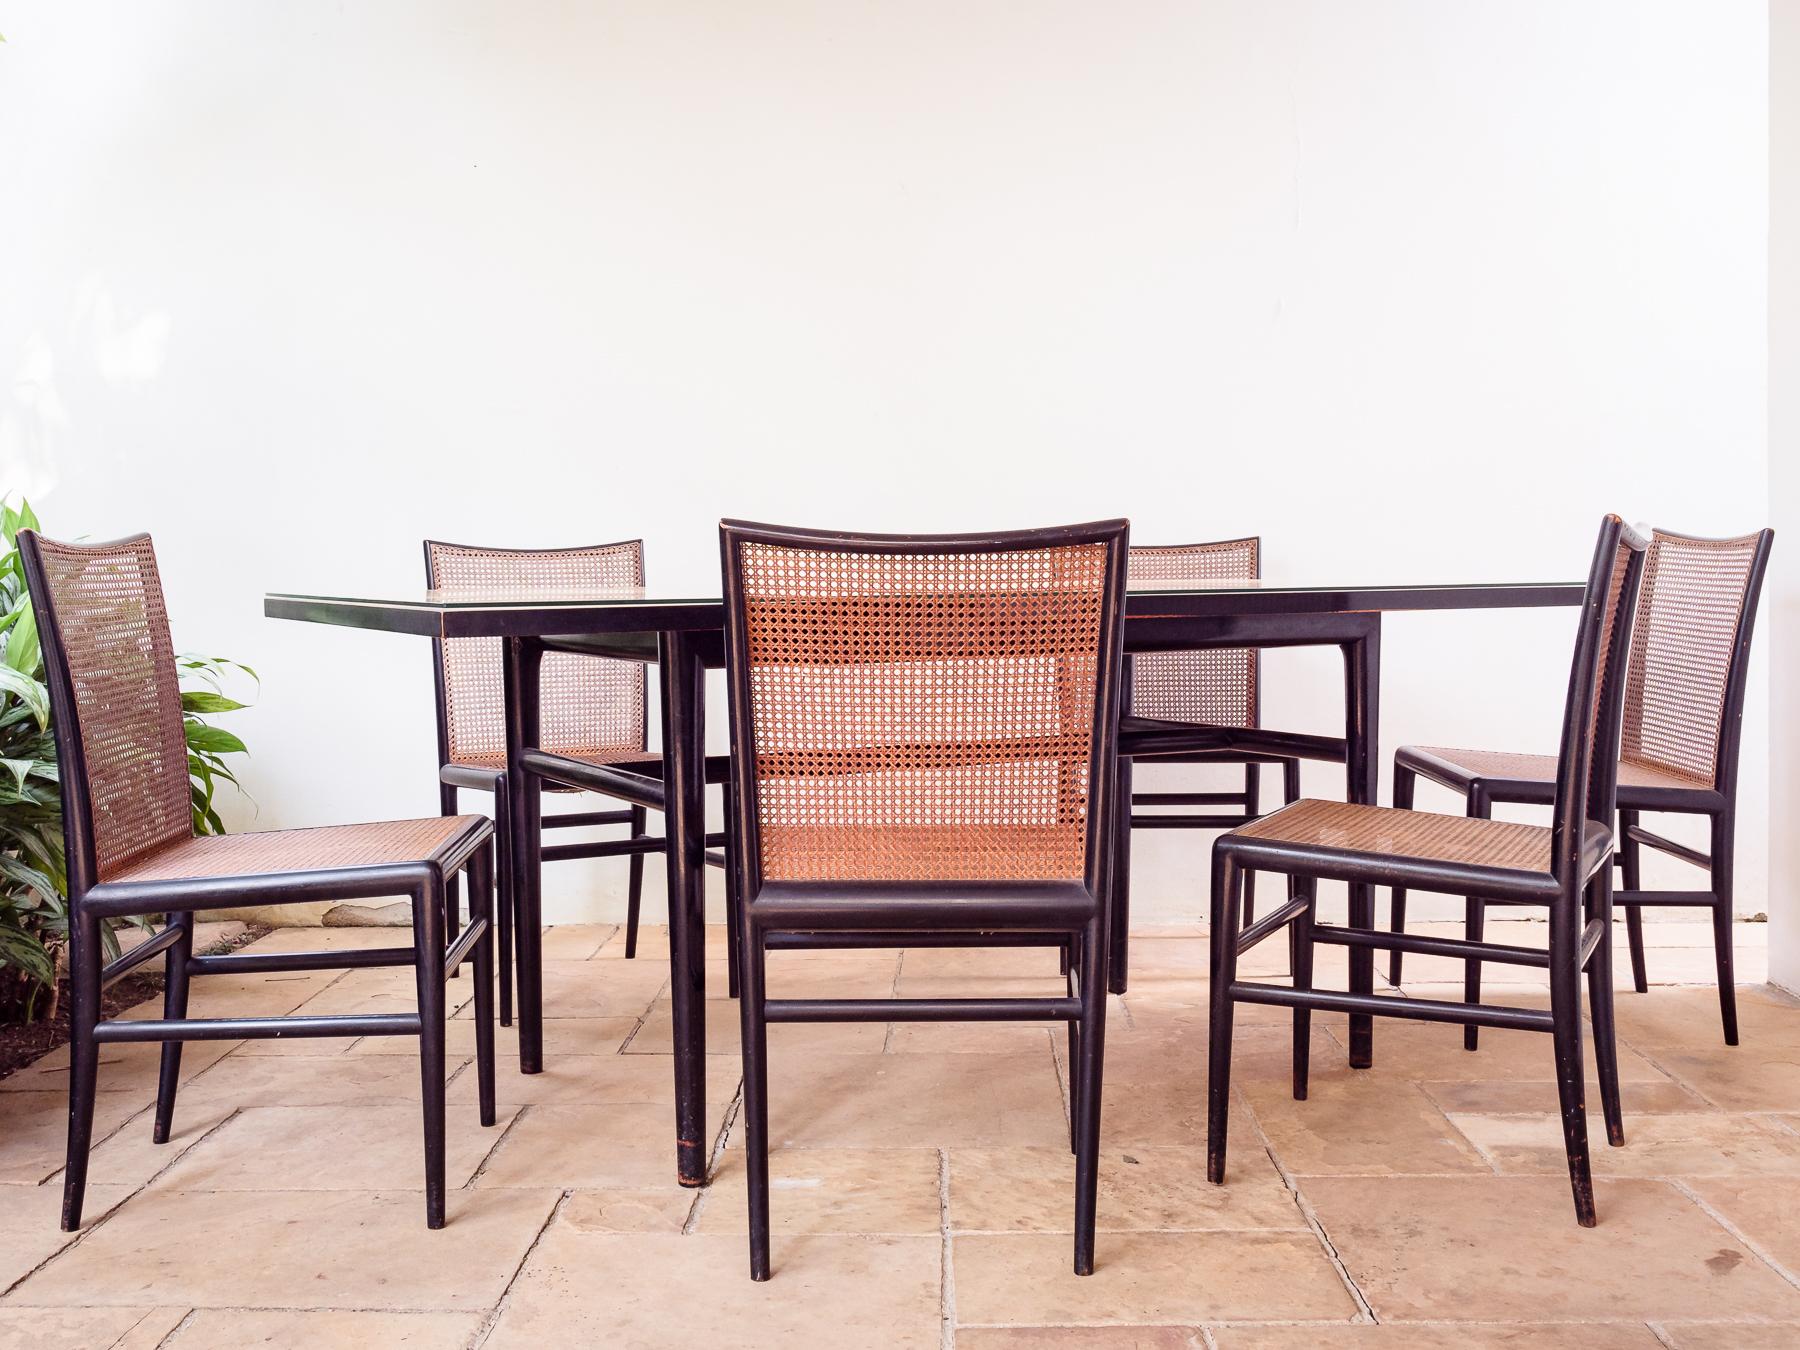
(168, 1336)
(1656, 1330)
(500, 1139)
(486, 1329)
(1366, 1313)
(947, 1267)
(727, 1120)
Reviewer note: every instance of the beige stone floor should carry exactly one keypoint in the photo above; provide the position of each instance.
(923, 1187)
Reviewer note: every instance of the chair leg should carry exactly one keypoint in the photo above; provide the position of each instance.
(428, 970)
(1300, 938)
(175, 1005)
(84, 1061)
(452, 892)
(505, 900)
(1724, 840)
(1290, 793)
(1631, 878)
(1404, 779)
(1474, 924)
(634, 893)
(1252, 809)
(1071, 972)
(1565, 1016)
(1600, 1006)
(481, 908)
(1119, 894)
(1227, 878)
(1085, 1085)
(756, 1098)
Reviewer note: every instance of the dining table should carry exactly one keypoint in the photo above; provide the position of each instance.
(682, 636)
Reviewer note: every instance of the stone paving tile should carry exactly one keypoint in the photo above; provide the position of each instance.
(562, 1036)
(1080, 1338)
(619, 1146)
(32, 1232)
(827, 1291)
(582, 989)
(232, 1328)
(896, 1101)
(723, 1034)
(86, 1328)
(1457, 1336)
(298, 1080)
(1144, 1189)
(1024, 1279)
(822, 1190)
(372, 1148)
(296, 1249)
(1732, 1335)
(1767, 1214)
(34, 1130)
(123, 1068)
(1355, 1124)
(1418, 1246)
(1655, 1146)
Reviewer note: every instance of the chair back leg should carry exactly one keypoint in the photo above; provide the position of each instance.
(1119, 892)
(1565, 1014)
(481, 909)
(1252, 809)
(175, 1005)
(84, 1061)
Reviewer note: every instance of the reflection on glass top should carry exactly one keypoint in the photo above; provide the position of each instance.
(551, 597)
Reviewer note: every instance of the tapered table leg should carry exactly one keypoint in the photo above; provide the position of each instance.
(1362, 697)
(684, 777)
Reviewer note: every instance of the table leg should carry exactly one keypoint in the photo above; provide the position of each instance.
(1362, 697)
(684, 779)
(520, 672)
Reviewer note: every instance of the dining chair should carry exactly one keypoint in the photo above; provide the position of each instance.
(1200, 706)
(1684, 715)
(593, 709)
(1564, 867)
(128, 828)
(924, 738)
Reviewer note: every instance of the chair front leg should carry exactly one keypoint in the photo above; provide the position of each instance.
(1252, 809)
(1631, 877)
(428, 970)
(1085, 1080)
(634, 890)
(1724, 868)
(1227, 880)
(1404, 780)
(452, 895)
(505, 899)
(1600, 1005)
(175, 1005)
(1119, 893)
(84, 1059)
(1300, 939)
(754, 1030)
(481, 910)
(1474, 925)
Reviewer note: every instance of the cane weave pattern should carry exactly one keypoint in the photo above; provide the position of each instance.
(922, 717)
(1504, 764)
(590, 707)
(1215, 687)
(1387, 832)
(114, 634)
(380, 844)
(1689, 611)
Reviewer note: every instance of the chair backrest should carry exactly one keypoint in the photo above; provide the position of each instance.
(1219, 687)
(923, 709)
(589, 705)
(1587, 771)
(115, 701)
(1690, 654)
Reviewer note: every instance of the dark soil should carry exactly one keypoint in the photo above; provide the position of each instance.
(22, 1043)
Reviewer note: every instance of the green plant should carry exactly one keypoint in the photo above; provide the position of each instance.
(34, 919)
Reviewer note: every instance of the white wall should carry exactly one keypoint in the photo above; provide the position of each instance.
(1784, 479)
(1416, 290)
